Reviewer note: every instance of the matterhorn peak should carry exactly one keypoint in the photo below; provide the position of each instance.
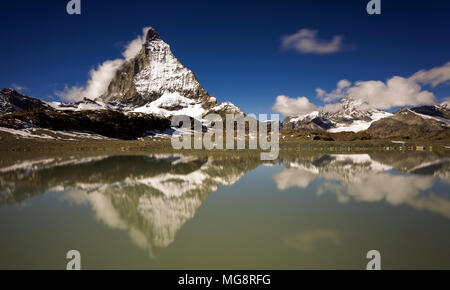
(152, 35)
(152, 73)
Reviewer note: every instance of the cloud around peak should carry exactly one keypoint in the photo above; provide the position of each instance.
(133, 47)
(19, 88)
(307, 41)
(293, 107)
(100, 78)
(397, 91)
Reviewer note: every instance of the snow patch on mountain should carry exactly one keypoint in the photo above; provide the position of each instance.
(227, 106)
(309, 116)
(168, 105)
(42, 133)
(349, 115)
(171, 104)
(25, 133)
(359, 125)
(84, 105)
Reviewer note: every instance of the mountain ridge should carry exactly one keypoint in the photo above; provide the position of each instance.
(353, 117)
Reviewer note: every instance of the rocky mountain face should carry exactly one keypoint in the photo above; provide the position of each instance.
(352, 113)
(440, 111)
(85, 104)
(406, 123)
(155, 71)
(22, 112)
(12, 101)
(309, 122)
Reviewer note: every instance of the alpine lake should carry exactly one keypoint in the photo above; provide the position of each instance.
(308, 209)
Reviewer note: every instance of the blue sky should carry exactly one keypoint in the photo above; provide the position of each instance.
(233, 47)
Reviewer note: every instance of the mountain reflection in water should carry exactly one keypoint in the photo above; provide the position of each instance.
(152, 197)
(362, 178)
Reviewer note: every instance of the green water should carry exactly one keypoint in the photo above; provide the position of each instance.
(235, 212)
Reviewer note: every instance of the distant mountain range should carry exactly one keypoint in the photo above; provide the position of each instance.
(372, 123)
(151, 88)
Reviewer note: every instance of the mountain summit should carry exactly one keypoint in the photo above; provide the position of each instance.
(154, 82)
(152, 73)
(351, 115)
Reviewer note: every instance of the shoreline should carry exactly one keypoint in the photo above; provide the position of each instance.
(12, 143)
(14, 150)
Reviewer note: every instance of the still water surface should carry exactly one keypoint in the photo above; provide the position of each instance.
(189, 212)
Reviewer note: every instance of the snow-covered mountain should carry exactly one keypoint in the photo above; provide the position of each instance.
(155, 71)
(154, 86)
(146, 91)
(407, 123)
(154, 82)
(353, 115)
(84, 105)
(350, 116)
(19, 114)
(440, 112)
(12, 101)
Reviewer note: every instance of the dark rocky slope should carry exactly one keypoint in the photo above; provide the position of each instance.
(12, 101)
(31, 112)
(406, 124)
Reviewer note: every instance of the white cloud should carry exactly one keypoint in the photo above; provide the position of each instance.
(293, 177)
(395, 92)
(306, 41)
(293, 107)
(446, 100)
(19, 88)
(97, 84)
(434, 76)
(320, 93)
(100, 77)
(336, 93)
(133, 48)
